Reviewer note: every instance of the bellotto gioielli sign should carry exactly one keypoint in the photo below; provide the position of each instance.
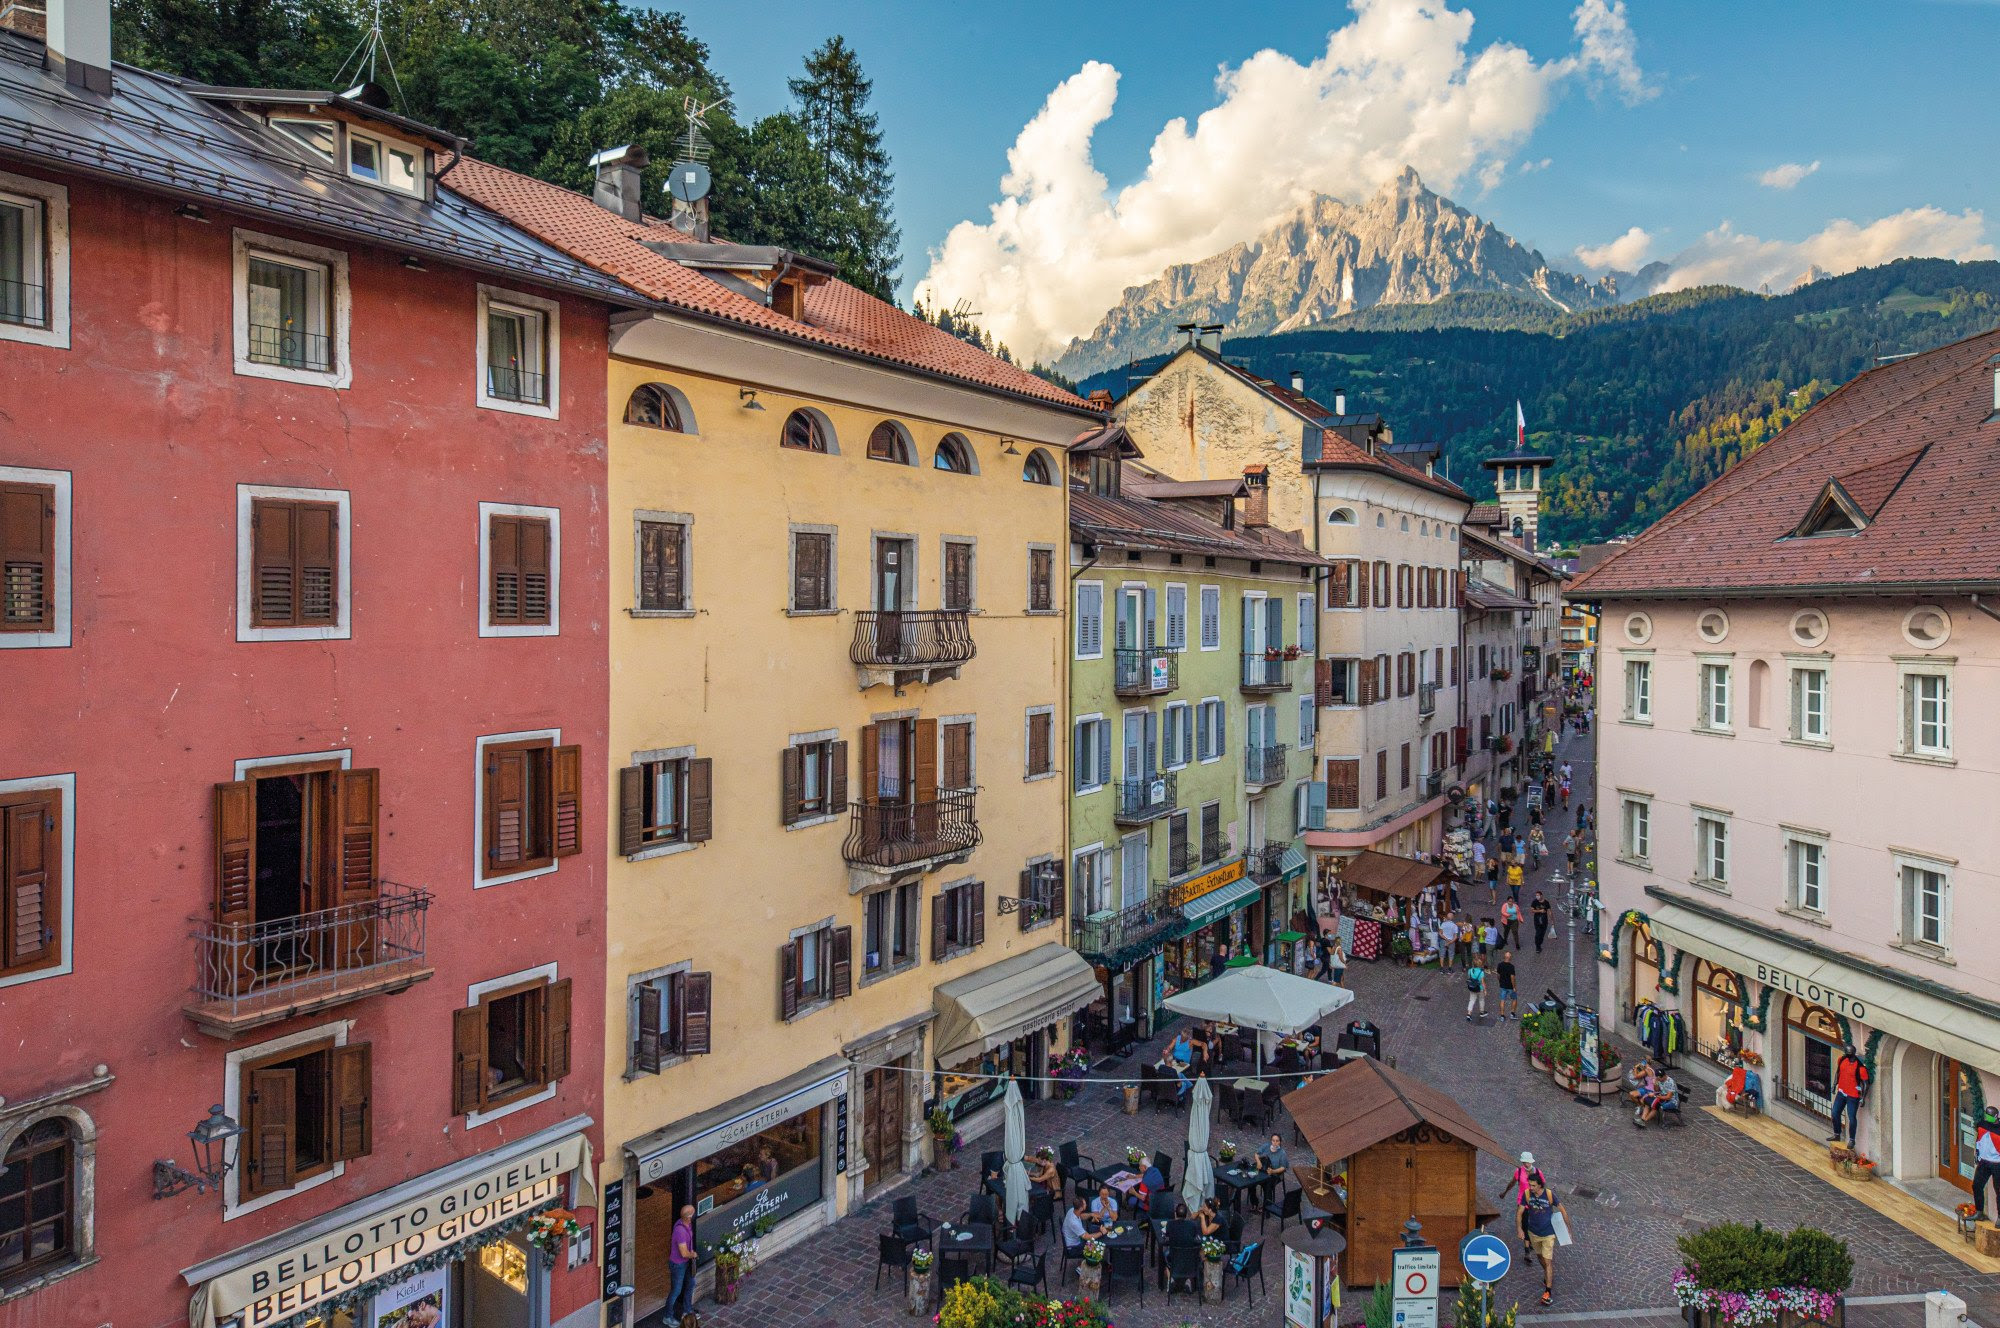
(1833, 1000)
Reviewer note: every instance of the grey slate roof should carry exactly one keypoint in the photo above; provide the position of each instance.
(166, 135)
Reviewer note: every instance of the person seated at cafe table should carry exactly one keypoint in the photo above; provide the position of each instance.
(1271, 1158)
(1080, 1224)
(1208, 1220)
(1104, 1207)
(1042, 1171)
(1198, 1042)
(1151, 1182)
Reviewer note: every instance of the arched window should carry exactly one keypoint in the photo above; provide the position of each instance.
(1760, 687)
(954, 454)
(1340, 516)
(38, 1201)
(808, 431)
(657, 406)
(1717, 995)
(1381, 521)
(1038, 469)
(1812, 1049)
(1406, 523)
(1645, 965)
(891, 442)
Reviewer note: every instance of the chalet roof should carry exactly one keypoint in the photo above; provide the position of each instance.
(183, 139)
(1130, 521)
(1492, 599)
(1386, 873)
(1159, 486)
(838, 317)
(1914, 445)
(1364, 1102)
(1484, 514)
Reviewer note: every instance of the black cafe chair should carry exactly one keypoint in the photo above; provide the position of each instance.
(1079, 1169)
(891, 1251)
(1127, 1263)
(982, 1211)
(1184, 1266)
(1285, 1209)
(1030, 1270)
(1246, 1264)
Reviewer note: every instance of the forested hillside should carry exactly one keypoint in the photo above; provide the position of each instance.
(1642, 403)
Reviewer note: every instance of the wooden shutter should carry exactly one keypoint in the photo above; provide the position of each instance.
(871, 763)
(940, 925)
(957, 771)
(1029, 916)
(1454, 666)
(697, 1006)
(926, 763)
(1177, 829)
(1382, 773)
(274, 1136)
(810, 556)
(27, 557)
(788, 979)
(504, 572)
(1323, 681)
(631, 809)
(506, 809)
(700, 800)
(1360, 584)
(978, 891)
(957, 576)
(662, 583)
(1038, 743)
(1059, 890)
(33, 901)
(646, 1053)
(1041, 579)
(1343, 783)
(1367, 682)
(318, 563)
(537, 576)
(1403, 773)
(359, 800)
(235, 852)
(468, 1056)
(791, 784)
(1460, 737)
(566, 797)
(353, 1114)
(274, 583)
(836, 777)
(556, 1031)
(843, 963)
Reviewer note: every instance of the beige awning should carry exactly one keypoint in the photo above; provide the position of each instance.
(1003, 1001)
(1897, 1009)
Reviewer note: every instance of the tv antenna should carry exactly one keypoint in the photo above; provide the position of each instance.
(371, 48)
(688, 181)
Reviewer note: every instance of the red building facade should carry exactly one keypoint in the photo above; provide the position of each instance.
(302, 717)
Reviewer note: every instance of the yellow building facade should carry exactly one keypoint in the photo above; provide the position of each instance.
(838, 719)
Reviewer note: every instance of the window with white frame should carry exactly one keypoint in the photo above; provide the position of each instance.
(1308, 721)
(1090, 753)
(1926, 904)
(1636, 830)
(34, 261)
(1176, 618)
(1134, 872)
(1093, 885)
(34, 557)
(1926, 711)
(1343, 681)
(1208, 730)
(1805, 873)
(1809, 703)
(291, 311)
(1716, 712)
(1211, 617)
(1090, 620)
(1711, 848)
(1308, 626)
(1639, 690)
(385, 161)
(1177, 734)
(520, 568)
(519, 368)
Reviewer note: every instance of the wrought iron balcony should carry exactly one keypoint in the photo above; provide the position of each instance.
(1145, 672)
(1144, 798)
(887, 833)
(1267, 670)
(1266, 764)
(1268, 862)
(1427, 698)
(1182, 858)
(1115, 939)
(1433, 783)
(898, 647)
(248, 974)
(290, 348)
(504, 382)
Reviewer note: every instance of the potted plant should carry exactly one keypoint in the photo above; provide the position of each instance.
(1135, 1157)
(1273, 655)
(1734, 1275)
(551, 1232)
(730, 1263)
(1213, 1252)
(1291, 652)
(1227, 1152)
(921, 1262)
(1069, 1071)
(1400, 948)
(1465, 1314)
(944, 1137)
(1090, 1276)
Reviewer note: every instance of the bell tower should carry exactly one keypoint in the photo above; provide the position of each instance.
(1517, 485)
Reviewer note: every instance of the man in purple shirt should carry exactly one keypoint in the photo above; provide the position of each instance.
(680, 1262)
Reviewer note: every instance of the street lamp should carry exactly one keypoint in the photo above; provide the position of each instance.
(213, 1157)
(1568, 890)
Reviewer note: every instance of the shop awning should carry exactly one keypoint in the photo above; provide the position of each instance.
(1003, 1001)
(1953, 1024)
(1200, 912)
(1385, 873)
(672, 1147)
(1292, 863)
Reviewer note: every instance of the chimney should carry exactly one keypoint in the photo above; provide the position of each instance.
(1101, 400)
(1340, 401)
(618, 179)
(1257, 504)
(1211, 337)
(79, 37)
(1298, 382)
(28, 19)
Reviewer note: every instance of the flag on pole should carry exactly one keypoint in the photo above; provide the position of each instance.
(1520, 427)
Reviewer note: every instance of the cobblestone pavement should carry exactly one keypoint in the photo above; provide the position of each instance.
(1629, 1192)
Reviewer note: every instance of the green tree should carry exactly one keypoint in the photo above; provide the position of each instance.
(850, 206)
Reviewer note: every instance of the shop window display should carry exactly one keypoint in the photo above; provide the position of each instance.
(1812, 1049)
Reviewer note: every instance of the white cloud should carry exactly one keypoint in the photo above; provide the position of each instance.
(1397, 85)
(1787, 175)
(1725, 255)
(1625, 253)
(1530, 167)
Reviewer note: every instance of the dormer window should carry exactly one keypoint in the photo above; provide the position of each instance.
(788, 299)
(1833, 513)
(317, 135)
(386, 162)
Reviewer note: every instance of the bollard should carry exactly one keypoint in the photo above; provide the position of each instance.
(1943, 1310)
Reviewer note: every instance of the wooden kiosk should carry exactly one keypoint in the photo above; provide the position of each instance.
(1410, 1152)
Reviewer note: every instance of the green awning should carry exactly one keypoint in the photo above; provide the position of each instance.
(1242, 961)
(1216, 903)
(1288, 937)
(1293, 864)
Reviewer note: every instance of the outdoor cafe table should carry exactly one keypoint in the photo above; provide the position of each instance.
(1118, 1177)
(1240, 1180)
(1250, 1085)
(966, 1240)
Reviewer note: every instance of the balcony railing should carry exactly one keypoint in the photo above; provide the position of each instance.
(1433, 783)
(1117, 938)
(927, 639)
(248, 974)
(891, 833)
(290, 348)
(1145, 672)
(23, 305)
(1266, 764)
(1182, 858)
(1263, 673)
(1267, 863)
(504, 382)
(1427, 698)
(1145, 798)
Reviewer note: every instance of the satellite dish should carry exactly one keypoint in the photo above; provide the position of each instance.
(688, 181)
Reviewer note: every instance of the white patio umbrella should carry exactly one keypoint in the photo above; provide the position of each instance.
(1015, 1174)
(1198, 1176)
(1261, 998)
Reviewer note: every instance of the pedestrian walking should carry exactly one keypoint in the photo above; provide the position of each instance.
(1465, 926)
(1565, 792)
(1493, 878)
(1510, 1004)
(1538, 1219)
(680, 1268)
(1478, 855)
(1510, 922)
(1339, 962)
(1850, 1085)
(1538, 909)
(1475, 989)
(1447, 941)
(1515, 878)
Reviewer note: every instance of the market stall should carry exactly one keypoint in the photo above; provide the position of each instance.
(1377, 893)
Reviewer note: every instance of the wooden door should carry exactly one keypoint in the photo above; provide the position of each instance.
(882, 1125)
(891, 567)
(1956, 1126)
(1378, 1203)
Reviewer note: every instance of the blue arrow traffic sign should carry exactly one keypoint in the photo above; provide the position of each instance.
(1485, 1257)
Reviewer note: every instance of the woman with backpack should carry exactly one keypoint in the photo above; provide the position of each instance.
(1475, 988)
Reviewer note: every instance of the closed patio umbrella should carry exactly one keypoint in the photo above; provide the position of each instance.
(1198, 1175)
(1015, 1173)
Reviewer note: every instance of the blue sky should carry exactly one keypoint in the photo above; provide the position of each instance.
(1893, 101)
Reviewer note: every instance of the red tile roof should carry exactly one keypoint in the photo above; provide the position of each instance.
(839, 317)
(1915, 443)
(1132, 522)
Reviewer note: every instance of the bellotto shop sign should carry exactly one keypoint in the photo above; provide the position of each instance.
(1773, 976)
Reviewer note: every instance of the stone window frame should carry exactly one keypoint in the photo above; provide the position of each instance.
(60, 1105)
(685, 520)
(633, 982)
